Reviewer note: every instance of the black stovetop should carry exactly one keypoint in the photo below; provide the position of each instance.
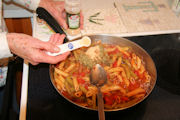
(44, 102)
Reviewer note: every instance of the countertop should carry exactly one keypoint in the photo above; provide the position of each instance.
(122, 18)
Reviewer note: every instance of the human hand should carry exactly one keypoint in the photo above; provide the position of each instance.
(34, 50)
(56, 9)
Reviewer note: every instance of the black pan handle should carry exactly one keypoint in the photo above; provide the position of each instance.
(46, 16)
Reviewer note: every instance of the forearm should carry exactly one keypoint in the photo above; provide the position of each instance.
(30, 4)
(4, 48)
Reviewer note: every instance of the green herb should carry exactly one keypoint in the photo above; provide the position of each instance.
(84, 59)
(90, 20)
(115, 5)
(95, 15)
(97, 19)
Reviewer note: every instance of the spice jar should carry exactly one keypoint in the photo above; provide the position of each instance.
(72, 8)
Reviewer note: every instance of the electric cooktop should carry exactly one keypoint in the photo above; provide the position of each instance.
(44, 103)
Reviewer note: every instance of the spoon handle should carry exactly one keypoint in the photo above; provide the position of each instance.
(100, 105)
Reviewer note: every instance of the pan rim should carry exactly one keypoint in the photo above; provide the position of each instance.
(118, 109)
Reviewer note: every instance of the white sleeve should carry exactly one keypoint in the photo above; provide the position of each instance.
(31, 4)
(4, 48)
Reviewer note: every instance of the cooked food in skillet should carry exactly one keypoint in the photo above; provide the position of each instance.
(128, 80)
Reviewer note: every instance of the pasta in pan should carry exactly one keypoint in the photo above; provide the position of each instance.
(128, 79)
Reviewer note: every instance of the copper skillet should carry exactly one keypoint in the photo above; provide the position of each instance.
(150, 66)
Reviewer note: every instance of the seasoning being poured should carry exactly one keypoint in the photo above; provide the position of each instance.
(93, 55)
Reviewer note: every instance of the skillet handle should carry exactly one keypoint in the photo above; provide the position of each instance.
(46, 16)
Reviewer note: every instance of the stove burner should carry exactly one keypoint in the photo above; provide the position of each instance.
(168, 69)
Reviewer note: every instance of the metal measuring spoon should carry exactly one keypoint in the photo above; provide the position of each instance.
(98, 77)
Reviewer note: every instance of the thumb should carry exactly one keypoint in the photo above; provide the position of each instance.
(62, 19)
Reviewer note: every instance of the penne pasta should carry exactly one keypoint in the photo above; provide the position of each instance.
(87, 79)
(60, 84)
(91, 90)
(59, 81)
(136, 62)
(68, 88)
(127, 62)
(70, 81)
(83, 89)
(132, 80)
(127, 78)
(117, 69)
(75, 83)
(61, 65)
(124, 50)
(61, 72)
(135, 92)
(116, 74)
(78, 93)
(126, 104)
(110, 49)
(83, 104)
(89, 102)
(142, 69)
(126, 81)
(118, 99)
(108, 106)
(107, 88)
(106, 68)
(148, 77)
(133, 75)
(120, 78)
(127, 70)
(119, 61)
(75, 55)
(89, 93)
(140, 95)
(71, 67)
(114, 58)
(59, 88)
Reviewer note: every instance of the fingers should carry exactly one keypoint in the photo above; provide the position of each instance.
(59, 58)
(54, 38)
(44, 58)
(60, 39)
(33, 63)
(51, 45)
(40, 56)
(47, 46)
(64, 14)
(61, 17)
(57, 39)
(54, 59)
(29, 60)
(62, 22)
(51, 40)
(56, 9)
